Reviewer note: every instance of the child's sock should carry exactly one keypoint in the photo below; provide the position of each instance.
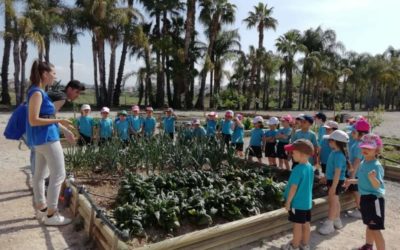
(43, 210)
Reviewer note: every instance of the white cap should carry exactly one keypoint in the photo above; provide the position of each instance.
(85, 107)
(229, 113)
(273, 121)
(105, 110)
(331, 124)
(149, 109)
(196, 122)
(258, 119)
(170, 110)
(135, 108)
(338, 135)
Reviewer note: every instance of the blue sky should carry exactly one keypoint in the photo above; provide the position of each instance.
(362, 25)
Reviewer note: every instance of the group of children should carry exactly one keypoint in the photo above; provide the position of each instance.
(341, 160)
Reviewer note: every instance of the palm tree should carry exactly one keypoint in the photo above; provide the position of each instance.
(262, 18)
(213, 15)
(71, 33)
(270, 66)
(289, 45)
(8, 15)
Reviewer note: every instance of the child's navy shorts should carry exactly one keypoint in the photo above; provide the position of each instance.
(339, 187)
(238, 146)
(270, 150)
(299, 216)
(280, 150)
(255, 151)
(373, 211)
(352, 187)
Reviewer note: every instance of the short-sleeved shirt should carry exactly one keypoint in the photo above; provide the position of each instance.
(355, 152)
(256, 136)
(199, 132)
(238, 134)
(303, 177)
(285, 131)
(308, 135)
(321, 133)
(135, 122)
(271, 133)
(351, 140)
(336, 160)
(56, 96)
(227, 127)
(169, 124)
(211, 127)
(85, 125)
(364, 184)
(187, 133)
(122, 128)
(149, 124)
(325, 151)
(106, 128)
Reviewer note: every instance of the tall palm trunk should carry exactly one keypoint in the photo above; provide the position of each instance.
(258, 54)
(289, 88)
(303, 100)
(212, 89)
(159, 79)
(189, 37)
(149, 87)
(120, 74)
(71, 62)
(301, 93)
(17, 68)
(168, 82)
(23, 56)
(96, 83)
(111, 77)
(5, 96)
(280, 87)
(200, 98)
(102, 71)
(47, 47)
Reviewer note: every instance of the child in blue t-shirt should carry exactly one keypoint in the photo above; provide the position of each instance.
(372, 190)
(105, 126)
(283, 138)
(320, 119)
(298, 194)
(305, 132)
(135, 122)
(85, 125)
(122, 127)
(335, 175)
(256, 139)
(168, 122)
(198, 131)
(361, 128)
(149, 123)
(211, 124)
(238, 135)
(227, 127)
(270, 141)
(324, 148)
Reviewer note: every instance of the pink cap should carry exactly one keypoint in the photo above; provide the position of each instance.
(105, 110)
(135, 108)
(170, 110)
(239, 117)
(229, 113)
(287, 118)
(362, 125)
(371, 141)
(212, 113)
(196, 122)
(149, 109)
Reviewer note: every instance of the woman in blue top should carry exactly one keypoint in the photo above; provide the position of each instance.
(43, 134)
(105, 126)
(372, 190)
(169, 122)
(335, 175)
(238, 134)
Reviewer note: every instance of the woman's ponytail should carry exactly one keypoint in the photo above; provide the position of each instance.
(38, 68)
(343, 148)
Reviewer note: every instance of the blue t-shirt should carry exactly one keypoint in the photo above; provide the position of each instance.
(227, 127)
(211, 127)
(238, 134)
(325, 151)
(106, 128)
(149, 124)
(285, 131)
(355, 152)
(321, 133)
(199, 132)
(351, 140)
(187, 133)
(122, 128)
(303, 177)
(336, 160)
(169, 124)
(308, 135)
(86, 124)
(271, 133)
(38, 135)
(135, 122)
(256, 136)
(364, 185)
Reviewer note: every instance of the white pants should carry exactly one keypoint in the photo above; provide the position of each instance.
(49, 156)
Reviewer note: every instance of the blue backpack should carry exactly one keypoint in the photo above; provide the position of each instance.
(16, 125)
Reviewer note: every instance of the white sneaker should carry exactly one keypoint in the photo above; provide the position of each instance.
(355, 214)
(337, 223)
(56, 220)
(289, 246)
(327, 228)
(305, 247)
(40, 215)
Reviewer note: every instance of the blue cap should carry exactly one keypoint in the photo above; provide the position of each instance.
(308, 118)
